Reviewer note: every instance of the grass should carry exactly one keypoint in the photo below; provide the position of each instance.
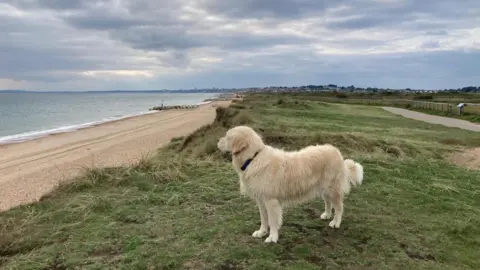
(181, 209)
(447, 97)
(398, 99)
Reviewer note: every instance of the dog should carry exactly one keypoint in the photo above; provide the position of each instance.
(275, 178)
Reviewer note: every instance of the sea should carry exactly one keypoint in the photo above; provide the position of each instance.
(26, 115)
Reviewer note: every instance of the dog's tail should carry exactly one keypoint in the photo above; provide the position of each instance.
(354, 174)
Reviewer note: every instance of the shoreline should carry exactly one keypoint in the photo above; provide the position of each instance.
(38, 134)
(32, 168)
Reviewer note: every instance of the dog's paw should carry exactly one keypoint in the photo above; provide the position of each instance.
(334, 224)
(325, 215)
(271, 239)
(259, 234)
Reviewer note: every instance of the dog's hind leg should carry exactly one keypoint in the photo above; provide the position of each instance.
(337, 201)
(274, 210)
(263, 219)
(328, 207)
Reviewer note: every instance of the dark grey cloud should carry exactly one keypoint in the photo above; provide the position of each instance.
(362, 22)
(51, 4)
(433, 16)
(193, 42)
(159, 38)
(286, 9)
(173, 38)
(176, 59)
(122, 15)
(102, 21)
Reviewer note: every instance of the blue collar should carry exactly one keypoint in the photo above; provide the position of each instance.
(247, 162)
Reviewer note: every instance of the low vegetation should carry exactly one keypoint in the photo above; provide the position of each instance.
(442, 103)
(447, 97)
(181, 209)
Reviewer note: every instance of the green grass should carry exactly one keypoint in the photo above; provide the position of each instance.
(446, 97)
(182, 209)
(402, 100)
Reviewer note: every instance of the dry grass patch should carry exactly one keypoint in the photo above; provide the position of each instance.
(469, 158)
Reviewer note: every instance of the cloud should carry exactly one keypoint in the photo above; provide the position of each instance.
(281, 9)
(120, 44)
(431, 45)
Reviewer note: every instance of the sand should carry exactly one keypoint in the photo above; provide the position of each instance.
(31, 169)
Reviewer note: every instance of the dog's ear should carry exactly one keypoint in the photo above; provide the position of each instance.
(238, 145)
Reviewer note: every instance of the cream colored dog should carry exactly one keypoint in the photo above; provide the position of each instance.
(275, 178)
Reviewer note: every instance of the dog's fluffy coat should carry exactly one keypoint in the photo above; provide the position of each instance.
(277, 178)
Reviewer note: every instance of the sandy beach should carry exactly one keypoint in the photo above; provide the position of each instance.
(30, 169)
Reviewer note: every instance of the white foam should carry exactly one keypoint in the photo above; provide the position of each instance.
(27, 136)
(203, 103)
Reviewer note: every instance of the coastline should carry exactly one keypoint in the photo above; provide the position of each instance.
(37, 134)
(33, 168)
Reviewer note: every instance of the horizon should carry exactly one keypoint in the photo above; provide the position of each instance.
(220, 90)
(77, 46)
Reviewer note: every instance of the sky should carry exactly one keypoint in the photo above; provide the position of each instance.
(73, 45)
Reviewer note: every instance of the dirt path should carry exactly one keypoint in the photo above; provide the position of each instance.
(434, 119)
(29, 170)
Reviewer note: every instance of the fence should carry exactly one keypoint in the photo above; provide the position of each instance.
(470, 108)
(434, 106)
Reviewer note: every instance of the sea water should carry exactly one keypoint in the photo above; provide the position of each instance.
(26, 116)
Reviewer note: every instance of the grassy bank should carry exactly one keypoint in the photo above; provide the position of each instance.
(447, 97)
(402, 100)
(181, 209)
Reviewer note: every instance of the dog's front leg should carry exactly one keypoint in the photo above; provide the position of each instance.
(242, 188)
(263, 219)
(274, 211)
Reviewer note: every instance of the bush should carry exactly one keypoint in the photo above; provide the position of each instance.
(423, 97)
(242, 118)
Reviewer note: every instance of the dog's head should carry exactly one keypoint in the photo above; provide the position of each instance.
(240, 139)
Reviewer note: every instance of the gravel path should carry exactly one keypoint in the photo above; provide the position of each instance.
(434, 119)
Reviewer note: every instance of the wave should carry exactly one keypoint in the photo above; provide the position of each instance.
(27, 136)
(204, 103)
